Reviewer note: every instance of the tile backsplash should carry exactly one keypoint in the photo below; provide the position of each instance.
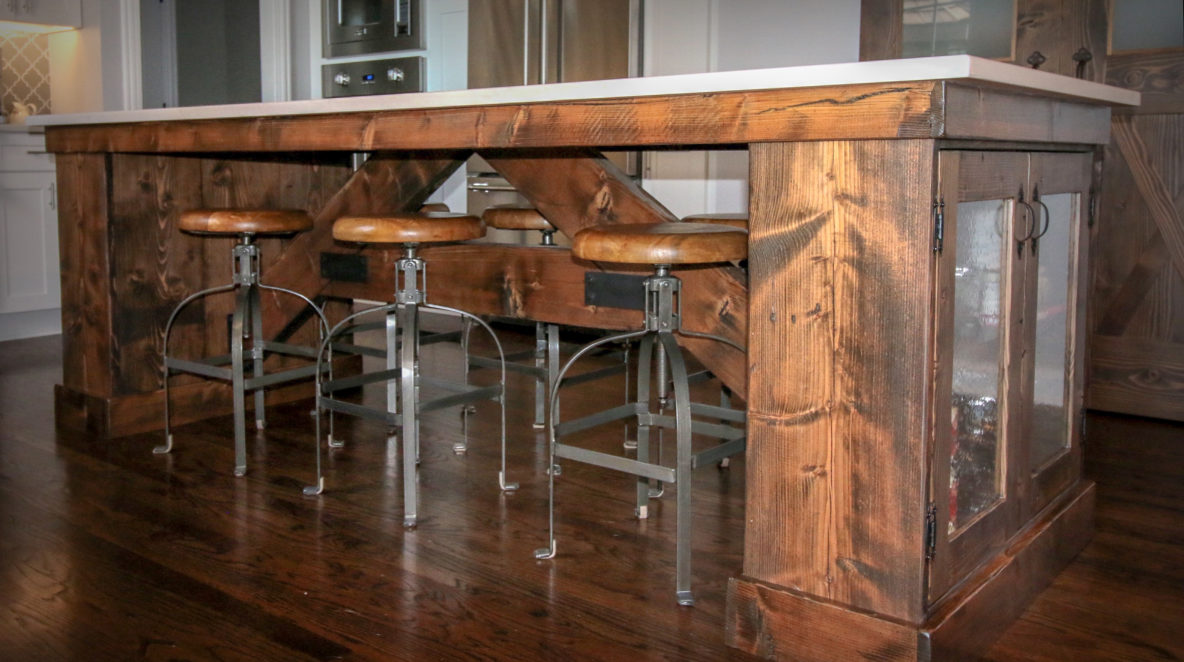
(24, 71)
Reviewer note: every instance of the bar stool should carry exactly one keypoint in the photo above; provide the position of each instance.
(246, 321)
(661, 245)
(403, 379)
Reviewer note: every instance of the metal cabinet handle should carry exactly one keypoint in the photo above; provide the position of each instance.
(1036, 59)
(53, 196)
(1031, 226)
(1082, 57)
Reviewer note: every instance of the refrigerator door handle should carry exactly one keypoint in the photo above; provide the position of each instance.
(526, 42)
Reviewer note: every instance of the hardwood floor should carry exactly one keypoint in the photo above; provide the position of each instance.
(108, 552)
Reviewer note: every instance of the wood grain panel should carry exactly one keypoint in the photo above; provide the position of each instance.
(1152, 187)
(581, 189)
(1038, 27)
(1157, 75)
(864, 111)
(502, 280)
(83, 217)
(881, 29)
(840, 271)
(974, 111)
(155, 266)
(385, 183)
(776, 623)
(1137, 376)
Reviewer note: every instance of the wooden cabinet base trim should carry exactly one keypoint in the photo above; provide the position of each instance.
(118, 416)
(778, 623)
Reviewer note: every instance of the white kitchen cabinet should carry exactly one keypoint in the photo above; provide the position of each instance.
(29, 270)
(47, 12)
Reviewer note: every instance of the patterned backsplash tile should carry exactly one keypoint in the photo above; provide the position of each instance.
(24, 71)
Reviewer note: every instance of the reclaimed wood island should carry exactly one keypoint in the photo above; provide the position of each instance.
(913, 313)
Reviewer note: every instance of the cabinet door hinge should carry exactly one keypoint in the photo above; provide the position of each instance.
(930, 531)
(939, 224)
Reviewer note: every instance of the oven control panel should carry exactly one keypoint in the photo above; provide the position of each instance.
(390, 76)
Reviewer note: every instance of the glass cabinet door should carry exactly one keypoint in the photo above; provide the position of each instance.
(978, 301)
(1009, 302)
(1056, 289)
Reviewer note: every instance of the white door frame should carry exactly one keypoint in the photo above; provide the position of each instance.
(275, 53)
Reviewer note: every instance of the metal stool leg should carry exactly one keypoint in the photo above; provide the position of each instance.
(256, 315)
(236, 366)
(645, 358)
(683, 476)
(167, 446)
(408, 358)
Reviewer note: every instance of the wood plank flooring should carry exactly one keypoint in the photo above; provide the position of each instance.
(108, 552)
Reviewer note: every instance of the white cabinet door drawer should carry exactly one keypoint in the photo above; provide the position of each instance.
(24, 152)
(29, 269)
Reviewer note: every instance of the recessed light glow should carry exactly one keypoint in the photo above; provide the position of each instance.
(12, 28)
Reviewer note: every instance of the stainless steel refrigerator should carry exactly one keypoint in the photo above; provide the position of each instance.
(528, 42)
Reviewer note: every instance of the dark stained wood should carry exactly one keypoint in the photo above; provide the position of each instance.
(864, 111)
(974, 112)
(111, 553)
(579, 189)
(1157, 75)
(779, 624)
(1038, 28)
(1138, 286)
(1152, 187)
(1136, 375)
(135, 554)
(83, 214)
(840, 261)
(383, 184)
(159, 265)
(522, 282)
(881, 26)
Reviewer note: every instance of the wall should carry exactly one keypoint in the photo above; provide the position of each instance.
(695, 36)
(24, 71)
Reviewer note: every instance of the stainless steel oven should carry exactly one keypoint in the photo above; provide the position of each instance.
(353, 27)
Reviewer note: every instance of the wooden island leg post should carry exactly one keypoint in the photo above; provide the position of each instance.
(842, 352)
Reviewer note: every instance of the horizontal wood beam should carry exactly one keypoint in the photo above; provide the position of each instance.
(863, 111)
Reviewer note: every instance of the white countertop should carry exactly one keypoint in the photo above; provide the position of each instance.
(949, 67)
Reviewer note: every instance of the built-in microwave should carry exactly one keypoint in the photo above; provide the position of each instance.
(353, 27)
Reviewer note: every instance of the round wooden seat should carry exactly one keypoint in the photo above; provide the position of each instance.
(661, 243)
(434, 207)
(516, 218)
(244, 221)
(408, 228)
(730, 220)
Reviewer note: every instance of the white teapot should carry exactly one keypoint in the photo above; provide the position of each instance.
(20, 112)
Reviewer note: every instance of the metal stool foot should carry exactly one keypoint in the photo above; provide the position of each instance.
(167, 447)
(314, 490)
(685, 599)
(545, 552)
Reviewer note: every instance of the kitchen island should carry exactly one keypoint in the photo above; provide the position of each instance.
(871, 185)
